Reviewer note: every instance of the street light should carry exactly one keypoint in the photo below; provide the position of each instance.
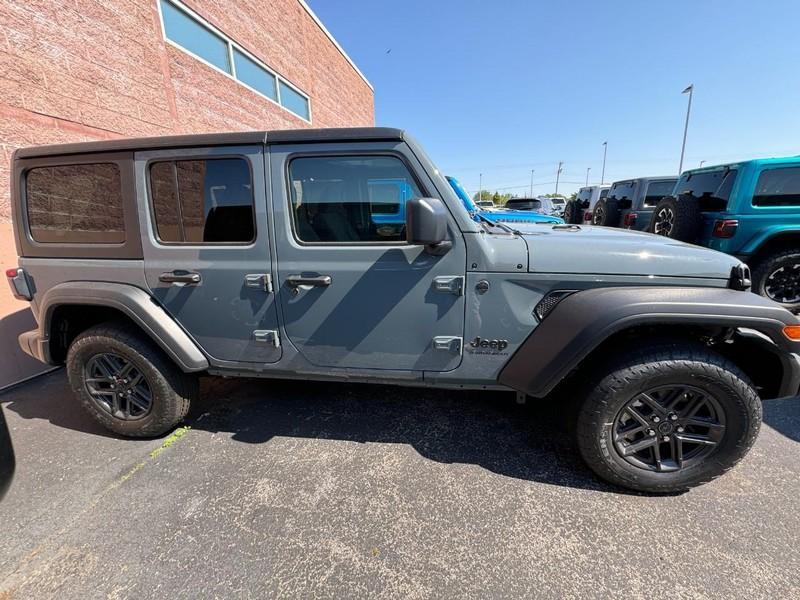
(702, 162)
(532, 171)
(480, 187)
(603, 174)
(558, 174)
(587, 175)
(689, 90)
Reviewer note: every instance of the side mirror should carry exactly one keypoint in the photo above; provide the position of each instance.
(426, 224)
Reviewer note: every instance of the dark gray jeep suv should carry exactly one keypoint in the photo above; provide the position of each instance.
(265, 254)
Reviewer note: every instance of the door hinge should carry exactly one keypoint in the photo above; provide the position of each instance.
(449, 343)
(261, 281)
(449, 284)
(267, 336)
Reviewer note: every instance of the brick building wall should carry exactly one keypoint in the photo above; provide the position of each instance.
(96, 69)
(77, 70)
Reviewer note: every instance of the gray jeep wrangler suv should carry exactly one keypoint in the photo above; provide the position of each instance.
(262, 254)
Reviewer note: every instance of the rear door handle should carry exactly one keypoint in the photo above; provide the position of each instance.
(318, 281)
(181, 276)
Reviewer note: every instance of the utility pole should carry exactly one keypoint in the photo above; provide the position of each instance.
(690, 91)
(532, 171)
(480, 187)
(587, 175)
(603, 174)
(558, 173)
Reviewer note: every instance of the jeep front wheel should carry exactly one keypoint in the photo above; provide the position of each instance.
(667, 419)
(777, 277)
(126, 383)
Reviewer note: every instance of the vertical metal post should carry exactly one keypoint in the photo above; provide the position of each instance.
(558, 174)
(532, 171)
(690, 90)
(587, 175)
(603, 174)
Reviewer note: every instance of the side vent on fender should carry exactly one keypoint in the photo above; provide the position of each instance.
(549, 302)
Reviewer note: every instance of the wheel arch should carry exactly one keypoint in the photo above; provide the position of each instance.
(70, 308)
(770, 242)
(591, 323)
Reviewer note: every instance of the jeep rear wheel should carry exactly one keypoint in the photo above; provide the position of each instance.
(573, 213)
(667, 419)
(777, 277)
(126, 383)
(606, 213)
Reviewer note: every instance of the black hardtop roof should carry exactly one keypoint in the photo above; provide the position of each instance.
(632, 179)
(285, 136)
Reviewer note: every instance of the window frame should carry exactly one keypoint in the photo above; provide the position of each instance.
(194, 157)
(355, 153)
(131, 248)
(231, 44)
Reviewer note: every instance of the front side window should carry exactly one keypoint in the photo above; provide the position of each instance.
(656, 190)
(75, 204)
(203, 201)
(778, 187)
(350, 198)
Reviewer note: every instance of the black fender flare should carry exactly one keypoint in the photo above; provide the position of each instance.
(583, 320)
(132, 301)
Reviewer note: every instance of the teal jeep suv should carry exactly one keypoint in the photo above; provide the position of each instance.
(749, 209)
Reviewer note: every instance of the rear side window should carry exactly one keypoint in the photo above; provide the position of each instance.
(203, 201)
(75, 204)
(350, 198)
(604, 193)
(656, 190)
(778, 187)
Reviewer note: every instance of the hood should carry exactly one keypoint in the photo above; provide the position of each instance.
(504, 215)
(606, 250)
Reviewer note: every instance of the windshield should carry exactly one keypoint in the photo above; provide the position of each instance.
(462, 194)
(524, 203)
(711, 188)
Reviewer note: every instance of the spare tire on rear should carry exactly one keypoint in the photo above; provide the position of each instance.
(676, 218)
(606, 212)
(573, 213)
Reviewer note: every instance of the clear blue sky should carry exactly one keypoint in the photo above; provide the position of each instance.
(504, 87)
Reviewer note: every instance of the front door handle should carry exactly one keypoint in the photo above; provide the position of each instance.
(181, 276)
(317, 281)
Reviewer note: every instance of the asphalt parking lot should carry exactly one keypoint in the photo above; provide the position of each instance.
(298, 489)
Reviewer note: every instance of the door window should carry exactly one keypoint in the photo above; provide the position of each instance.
(203, 201)
(778, 187)
(656, 190)
(350, 199)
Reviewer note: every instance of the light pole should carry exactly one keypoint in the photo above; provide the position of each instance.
(480, 187)
(532, 171)
(702, 162)
(587, 175)
(690, 91)
(558, 174)
(603, 174)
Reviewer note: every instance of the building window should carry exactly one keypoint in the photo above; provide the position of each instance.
(203, 201)
(75, 204)
(188, 31)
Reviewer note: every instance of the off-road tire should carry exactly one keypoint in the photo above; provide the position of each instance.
(789, 260)
(685, 218)
(573, 213)
(172, 390)
(606, 212)
(616, 382)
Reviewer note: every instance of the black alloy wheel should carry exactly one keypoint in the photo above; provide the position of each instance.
(668, 428)
(118, 387)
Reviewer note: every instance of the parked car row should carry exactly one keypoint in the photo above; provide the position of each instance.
(553, 206)
(749, 209)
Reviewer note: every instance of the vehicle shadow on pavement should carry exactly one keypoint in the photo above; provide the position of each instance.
(784, 416)
(487, 429)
